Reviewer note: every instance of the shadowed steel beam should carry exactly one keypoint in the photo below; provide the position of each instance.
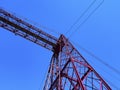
(19, 27)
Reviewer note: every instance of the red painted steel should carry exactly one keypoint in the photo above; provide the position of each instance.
(68, 70)
(26, 30)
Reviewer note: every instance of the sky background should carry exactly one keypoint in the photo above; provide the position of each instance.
(23, 64)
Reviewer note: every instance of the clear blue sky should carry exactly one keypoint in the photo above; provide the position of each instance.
(23, 64)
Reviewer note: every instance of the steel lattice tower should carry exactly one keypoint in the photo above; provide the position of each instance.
(68, 70)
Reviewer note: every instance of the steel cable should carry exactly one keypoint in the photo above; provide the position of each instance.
(80, 16)
(86, 18)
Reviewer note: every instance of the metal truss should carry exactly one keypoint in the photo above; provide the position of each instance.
(26, 30)
(68, 70)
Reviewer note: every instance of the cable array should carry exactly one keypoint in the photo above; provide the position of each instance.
(85, 18)
(80, 16)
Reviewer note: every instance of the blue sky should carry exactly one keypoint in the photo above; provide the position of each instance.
(23, 64)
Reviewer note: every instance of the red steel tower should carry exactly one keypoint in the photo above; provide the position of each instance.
(68, 70)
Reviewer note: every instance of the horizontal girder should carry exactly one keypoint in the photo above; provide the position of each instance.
(19, 27)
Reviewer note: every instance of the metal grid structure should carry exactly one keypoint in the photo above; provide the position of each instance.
(26, 30)
(68, 70)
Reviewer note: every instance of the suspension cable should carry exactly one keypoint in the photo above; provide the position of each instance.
(80, 16)
(86, 19)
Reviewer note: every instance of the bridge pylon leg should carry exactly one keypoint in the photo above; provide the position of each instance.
(70, 71)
